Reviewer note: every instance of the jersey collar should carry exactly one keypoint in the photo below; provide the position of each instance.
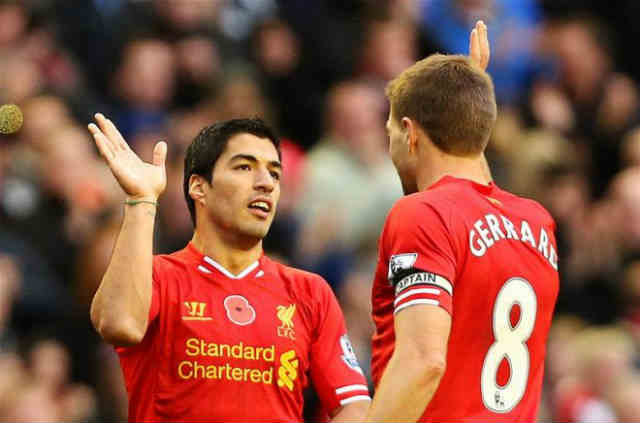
(228, 274)
(208, 265)
(448, 179)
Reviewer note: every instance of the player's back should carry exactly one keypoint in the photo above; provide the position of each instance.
(504, 289)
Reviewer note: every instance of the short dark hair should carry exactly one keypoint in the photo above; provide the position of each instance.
(451, 98)
(207, 147)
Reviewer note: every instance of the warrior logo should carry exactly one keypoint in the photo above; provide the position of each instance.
(195, 311)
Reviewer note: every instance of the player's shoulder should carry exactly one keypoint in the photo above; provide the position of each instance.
(177, 257)
(416, 202)
(529, 208)
(293, 274)
(172, 263)
(299, 280)
(417, 207)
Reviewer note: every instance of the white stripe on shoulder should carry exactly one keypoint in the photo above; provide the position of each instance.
(350, 388)
(416, 291)
(203, 269)
(416, 302)
(355, 399)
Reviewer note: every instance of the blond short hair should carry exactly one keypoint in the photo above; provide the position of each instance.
(450, 98)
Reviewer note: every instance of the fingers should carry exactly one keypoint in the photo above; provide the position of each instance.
(474, 47)
(105, 146)
(479, 51)
(160, 154)
(111, 132)
(485, 50)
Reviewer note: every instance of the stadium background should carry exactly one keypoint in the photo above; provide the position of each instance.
(568, 135)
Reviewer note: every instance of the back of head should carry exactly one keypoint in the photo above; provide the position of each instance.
(450, 98)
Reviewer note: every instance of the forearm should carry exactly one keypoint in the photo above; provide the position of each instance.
(406, 388)
(120, 307)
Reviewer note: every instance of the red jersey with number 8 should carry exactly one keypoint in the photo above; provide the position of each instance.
(489, 258)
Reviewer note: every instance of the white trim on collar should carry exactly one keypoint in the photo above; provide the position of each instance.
(228, 274)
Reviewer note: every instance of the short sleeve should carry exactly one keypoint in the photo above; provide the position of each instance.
(335, 371)
(417, 244)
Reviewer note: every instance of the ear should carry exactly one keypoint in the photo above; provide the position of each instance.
(411, 131)
(196, 188)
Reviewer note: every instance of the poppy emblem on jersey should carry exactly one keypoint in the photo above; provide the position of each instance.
(239, 311)
(399, 263)
(285, 314)
(349, 354)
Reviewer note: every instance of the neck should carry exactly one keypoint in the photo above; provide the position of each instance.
(440, 164)
(231, 252)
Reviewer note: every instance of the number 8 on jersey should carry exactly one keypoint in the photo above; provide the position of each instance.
(510, 344)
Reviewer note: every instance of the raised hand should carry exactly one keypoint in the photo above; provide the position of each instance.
(479, 50)
(138, 179)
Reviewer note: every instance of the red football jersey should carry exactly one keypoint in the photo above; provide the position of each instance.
(489, 258)
(221, 347)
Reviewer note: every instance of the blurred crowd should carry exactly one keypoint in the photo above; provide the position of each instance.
(568, 135)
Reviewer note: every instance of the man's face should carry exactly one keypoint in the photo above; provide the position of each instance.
(399, 151)
(245, 187)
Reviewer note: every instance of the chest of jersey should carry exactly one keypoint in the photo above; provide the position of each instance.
(242, 335)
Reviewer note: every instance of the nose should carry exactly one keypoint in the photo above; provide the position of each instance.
(264, 181)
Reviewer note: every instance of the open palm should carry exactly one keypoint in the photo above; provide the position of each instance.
(137, 178)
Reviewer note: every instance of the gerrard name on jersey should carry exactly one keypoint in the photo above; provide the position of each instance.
(491, 229)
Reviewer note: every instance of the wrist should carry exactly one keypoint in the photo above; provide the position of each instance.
(137, 202)
(131, 198)
(141, 206)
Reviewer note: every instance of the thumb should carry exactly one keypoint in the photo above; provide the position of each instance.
(474, 48)
(160, 154)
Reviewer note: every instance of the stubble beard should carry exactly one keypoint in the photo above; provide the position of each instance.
(254, 230)
(241, 230)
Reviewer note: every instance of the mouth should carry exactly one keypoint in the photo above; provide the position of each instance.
(261, 208)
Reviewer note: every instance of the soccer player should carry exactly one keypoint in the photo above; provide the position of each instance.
(218, 331)
(467, 274)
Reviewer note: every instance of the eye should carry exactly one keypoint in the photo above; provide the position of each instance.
(275, 175)
(243, 167)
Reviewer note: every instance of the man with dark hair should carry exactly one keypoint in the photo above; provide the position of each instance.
(210, 143)
(218, 331)
(467, 274)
